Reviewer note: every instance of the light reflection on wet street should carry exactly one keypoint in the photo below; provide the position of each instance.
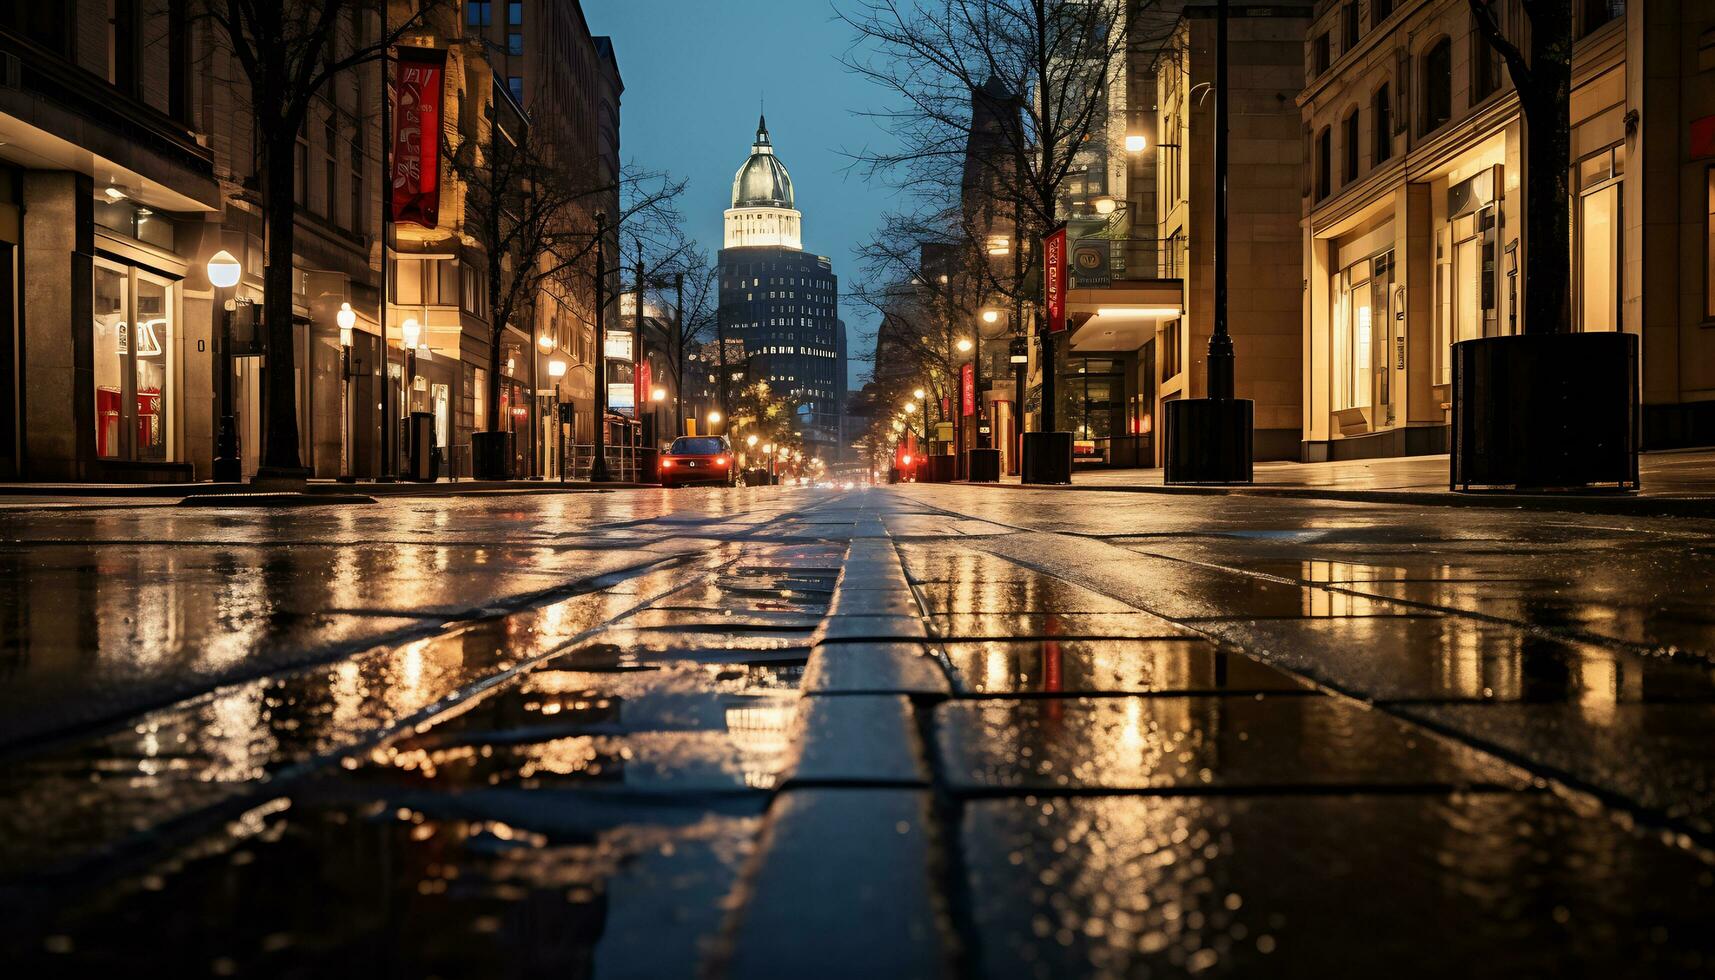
(910, 731)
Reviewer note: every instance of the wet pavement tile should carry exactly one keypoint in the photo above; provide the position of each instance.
(1455, 658)
(1107, 666)
(1037, 595)
(385, 890)
(875, 668)
(1480, 884)
(1223, 744)
(1002, 626)
(1654, 755)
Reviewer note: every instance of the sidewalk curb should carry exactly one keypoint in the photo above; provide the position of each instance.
(1625, 506)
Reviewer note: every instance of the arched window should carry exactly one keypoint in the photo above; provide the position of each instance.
(1437, 82)
(1324, 163)
(1349, 151)
(1381, 118)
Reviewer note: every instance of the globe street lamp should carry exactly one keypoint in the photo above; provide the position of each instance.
(557, 370)
(714, 419)
(223, 274)
(347, 321)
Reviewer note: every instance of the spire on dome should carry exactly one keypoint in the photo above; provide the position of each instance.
(761, 132)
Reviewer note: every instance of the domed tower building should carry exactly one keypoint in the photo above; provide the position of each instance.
(781, 302)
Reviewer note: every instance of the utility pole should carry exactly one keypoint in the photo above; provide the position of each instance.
(598, 466)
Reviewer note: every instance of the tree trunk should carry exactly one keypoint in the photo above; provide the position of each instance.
(280, 412)
(497, 332)
(1547, 162)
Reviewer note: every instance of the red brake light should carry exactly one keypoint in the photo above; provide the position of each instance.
(720, 460)
(666, 463)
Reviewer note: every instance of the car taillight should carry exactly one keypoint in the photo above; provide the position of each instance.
(720, 460)
(666, 463)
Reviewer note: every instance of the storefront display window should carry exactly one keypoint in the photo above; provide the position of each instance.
(1467, 290)
(132, 333)
(1599, 237)
(1354, 324)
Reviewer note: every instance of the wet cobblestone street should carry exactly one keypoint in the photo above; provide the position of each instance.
(915, 731)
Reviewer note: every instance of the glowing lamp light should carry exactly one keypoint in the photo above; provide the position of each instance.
(750, 440)
(964, 345)
(658, 395)
(114, 194)
(714, 418)
(1105, 205)
(918, 394)
(991, 316)
(1138, 312)
(546, 341)
(556, 368)
(906, 459)
(347, 321)
(411, 331)
(910, 408)
(1136, 143)
(223, 270)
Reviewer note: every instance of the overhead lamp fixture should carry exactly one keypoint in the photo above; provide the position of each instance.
(411, 331)
(223, 270)
(114, 193)
(1106, 205)
(999, 245)
(546, 342)
(1138, 312)
(556, 368)
(1136, 143)
(964, 345)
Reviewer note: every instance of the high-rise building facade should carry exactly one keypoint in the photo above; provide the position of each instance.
(781, 301)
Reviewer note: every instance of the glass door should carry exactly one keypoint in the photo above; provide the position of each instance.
(133, 326)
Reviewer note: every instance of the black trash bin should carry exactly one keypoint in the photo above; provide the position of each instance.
(984, 466)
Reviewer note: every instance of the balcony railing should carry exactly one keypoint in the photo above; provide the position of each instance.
(1146, 258)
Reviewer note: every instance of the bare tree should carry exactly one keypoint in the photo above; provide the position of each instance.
(533, 213)
(289, 50)
(1543, 79)
(992, 105)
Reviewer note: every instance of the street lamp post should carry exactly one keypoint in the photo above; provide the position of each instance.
(598, 465)
(1208, 440)
(557, 370)
(223, 274)
(347, 321)
(1018, 354)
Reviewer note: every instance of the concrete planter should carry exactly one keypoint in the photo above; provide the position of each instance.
(1047, 458)
(984, 466)
(1546, 413)
(1207, 440)
(491, 455)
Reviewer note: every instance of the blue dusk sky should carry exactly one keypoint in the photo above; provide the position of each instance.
(694, 73)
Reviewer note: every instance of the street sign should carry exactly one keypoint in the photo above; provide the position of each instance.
(1054, 279)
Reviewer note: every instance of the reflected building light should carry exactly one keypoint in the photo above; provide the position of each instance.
(761, 732)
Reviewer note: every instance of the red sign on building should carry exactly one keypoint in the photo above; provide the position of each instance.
(1703, 138)
(1054, 279)
(416, 164)
(967, 390)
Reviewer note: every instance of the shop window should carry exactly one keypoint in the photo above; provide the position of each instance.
(1381, 117)
(1172, 356)
(132, 337)
(1349, 137)
(475, 292)
(1592, 14)
(1466, 283)
(1354, 347)
(1599, 237)
(1437, 80)
(1709, 248)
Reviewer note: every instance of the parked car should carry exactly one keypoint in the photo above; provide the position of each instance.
(699, 459)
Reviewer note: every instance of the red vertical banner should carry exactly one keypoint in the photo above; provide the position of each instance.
(1054, 279)
(967, 389)
(416, 173)
(644, 386)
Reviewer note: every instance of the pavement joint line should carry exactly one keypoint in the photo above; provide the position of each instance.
(1563, 782)
(1214, 692)
(969, 794)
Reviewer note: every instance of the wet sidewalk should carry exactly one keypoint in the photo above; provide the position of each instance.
(1680, 482)
(936, 731)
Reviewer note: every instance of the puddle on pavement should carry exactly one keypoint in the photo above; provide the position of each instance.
(1193, 742)
(320, 889)
(555, 822)
(1413, 886)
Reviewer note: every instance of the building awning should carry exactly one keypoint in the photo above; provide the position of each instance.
(1123, 316)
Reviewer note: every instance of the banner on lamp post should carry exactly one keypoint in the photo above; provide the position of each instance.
(1054, 279)
(967, 390)
(416, 176)
(644, 386)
